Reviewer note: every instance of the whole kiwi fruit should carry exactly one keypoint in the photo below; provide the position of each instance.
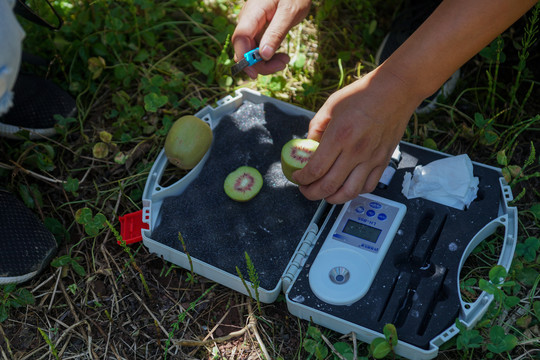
(187, 141)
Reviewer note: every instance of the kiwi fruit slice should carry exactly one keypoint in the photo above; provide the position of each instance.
(187, 141)
(243, 183)
(295, 154)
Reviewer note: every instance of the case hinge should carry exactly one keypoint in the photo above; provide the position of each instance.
(300, 256)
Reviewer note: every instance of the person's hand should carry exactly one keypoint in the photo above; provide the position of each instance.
(266, 23)
(358, 128)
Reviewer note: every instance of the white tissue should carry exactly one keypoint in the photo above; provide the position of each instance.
(447, 181)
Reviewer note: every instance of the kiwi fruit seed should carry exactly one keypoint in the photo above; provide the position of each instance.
(243, 183)
(295, 155)
(187, 141)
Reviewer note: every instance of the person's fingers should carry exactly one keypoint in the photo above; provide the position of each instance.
(287, 15)
(345, 176)
(327, 184)
(277, 63)
(362, 179)
(251, 22)
(319, 164)
(373, 179)
(357, 183)
(317, 126)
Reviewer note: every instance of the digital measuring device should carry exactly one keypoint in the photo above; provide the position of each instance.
(354, 249)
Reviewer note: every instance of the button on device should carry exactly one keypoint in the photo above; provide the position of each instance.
(360, 209)
(375, 205)
(382, 216)
(370, 213)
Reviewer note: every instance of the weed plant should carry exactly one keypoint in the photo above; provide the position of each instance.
(136, 66)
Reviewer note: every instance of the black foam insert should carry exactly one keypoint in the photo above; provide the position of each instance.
(218, 230)
(416, 286)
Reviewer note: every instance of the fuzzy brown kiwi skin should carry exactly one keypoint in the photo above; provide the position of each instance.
(288, 164)
(187, 141)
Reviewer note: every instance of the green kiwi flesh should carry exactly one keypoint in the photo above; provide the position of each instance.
(187, 141)
(295, 154)
(243, 183)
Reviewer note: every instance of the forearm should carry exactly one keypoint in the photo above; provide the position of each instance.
(455, 32)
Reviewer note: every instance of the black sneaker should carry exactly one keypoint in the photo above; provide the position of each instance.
(405, 23)
(26, 246)
(35, 102)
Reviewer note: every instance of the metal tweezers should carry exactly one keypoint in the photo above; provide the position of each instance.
(250, 58)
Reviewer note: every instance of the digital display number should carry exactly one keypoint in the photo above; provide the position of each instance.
(362, 231)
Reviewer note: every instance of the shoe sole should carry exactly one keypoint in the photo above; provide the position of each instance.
(25, 277)
(9, 131)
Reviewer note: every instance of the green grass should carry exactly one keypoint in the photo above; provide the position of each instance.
(136, 66)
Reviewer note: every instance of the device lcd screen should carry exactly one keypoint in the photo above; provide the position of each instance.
(362, 231)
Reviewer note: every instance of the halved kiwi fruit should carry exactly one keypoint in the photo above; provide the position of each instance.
(243, 183)
(295, 154)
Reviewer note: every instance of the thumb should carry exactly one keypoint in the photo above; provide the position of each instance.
(285, 17)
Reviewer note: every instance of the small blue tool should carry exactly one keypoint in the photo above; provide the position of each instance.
(250, 58)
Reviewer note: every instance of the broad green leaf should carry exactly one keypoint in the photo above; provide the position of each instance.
(500, 342)
(314, 333)
(528, 249)
(225, 81)
(25, 297)
(9, 288)
(506, 174)
(469, 339)
(390, 333)
(99, 220)
(536, 309)
(515, 170)
(380, 348)
(158, 81)
(497, 274)
(220, 22)
(83, 216)
(372, 27)
(310, 346)
(535, 210)
(430, 143)
(487, 286)
(71, 185)
(78, 268)
(479, 120)
(56, 227)
(61, 261)
(141, 56)
(491, 137)
(153, 101)
(3, 313)
(511, 301)
(206, 65)
(321, 351)
(96, 66)
(26, 196)
(501, 158)
(344, 350)
(527, 276)
(300, 61)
